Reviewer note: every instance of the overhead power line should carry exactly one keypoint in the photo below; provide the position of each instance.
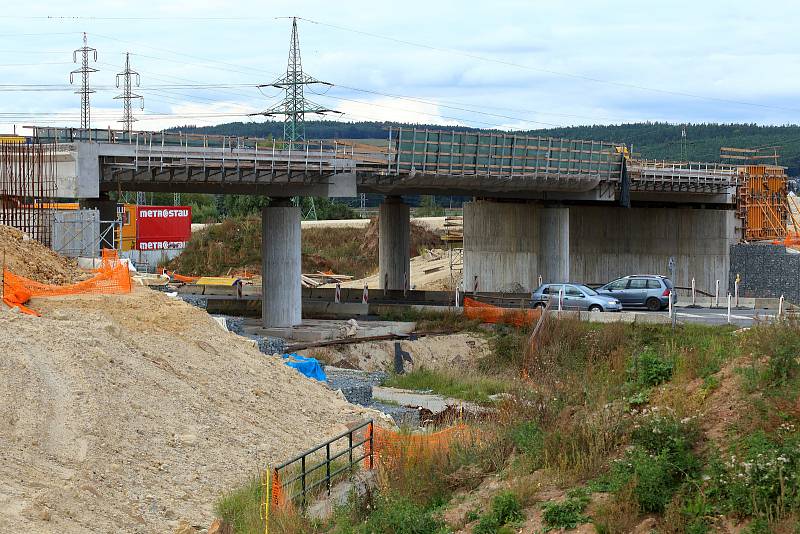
(129, 79)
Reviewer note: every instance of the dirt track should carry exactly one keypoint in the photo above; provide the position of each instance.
(129, 413)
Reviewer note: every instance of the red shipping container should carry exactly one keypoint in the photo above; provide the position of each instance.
(163, 227)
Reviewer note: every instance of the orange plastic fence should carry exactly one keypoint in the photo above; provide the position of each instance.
(390, 446)
(488, 313)
(111, 277)
(278, 497)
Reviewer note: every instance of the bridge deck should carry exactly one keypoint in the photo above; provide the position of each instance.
(410, 161)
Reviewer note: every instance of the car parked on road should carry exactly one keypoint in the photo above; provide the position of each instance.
(573, 297)
(651, 291)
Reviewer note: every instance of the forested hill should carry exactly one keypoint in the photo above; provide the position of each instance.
(650, 140)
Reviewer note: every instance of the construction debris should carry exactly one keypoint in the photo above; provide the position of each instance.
(29, 258)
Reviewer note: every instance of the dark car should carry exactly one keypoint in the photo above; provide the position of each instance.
(573, 297)
(649, 291)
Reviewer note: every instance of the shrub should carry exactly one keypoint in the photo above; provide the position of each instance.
(660, 459)
(566, 514)
(505, 509)
(394, 514)
(648, 368)
(780, 343)
(760, 478)
(528, 438)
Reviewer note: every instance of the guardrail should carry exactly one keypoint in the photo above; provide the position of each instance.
(307, 480)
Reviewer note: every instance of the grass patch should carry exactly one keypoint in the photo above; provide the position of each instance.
(432, 321)
(469, 387)
(241, 508)
(506, 510)
(567, 514)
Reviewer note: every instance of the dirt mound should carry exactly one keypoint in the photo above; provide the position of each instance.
(129, 413)
(31, 259)
(421, 238)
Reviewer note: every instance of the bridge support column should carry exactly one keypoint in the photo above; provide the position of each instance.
(281, 304)
(394, 244)
(554, 256)
(501, 246)
(108, 214)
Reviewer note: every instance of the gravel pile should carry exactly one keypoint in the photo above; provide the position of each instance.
(266, 344)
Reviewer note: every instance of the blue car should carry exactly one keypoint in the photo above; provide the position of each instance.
(573, 297)
(649, 291)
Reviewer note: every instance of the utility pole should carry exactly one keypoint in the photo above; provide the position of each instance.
(85, 91)
(294, 106)
(129, 79)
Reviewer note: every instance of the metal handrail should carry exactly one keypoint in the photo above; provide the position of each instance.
(305, 471)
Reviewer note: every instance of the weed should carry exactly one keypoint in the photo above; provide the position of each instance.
(432, 321)
(505, 510)
(780, 344)
(566, 514)
(241, 508)
(469, 387)
(648, 368)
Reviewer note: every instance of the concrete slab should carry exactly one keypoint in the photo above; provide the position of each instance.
(408, 397)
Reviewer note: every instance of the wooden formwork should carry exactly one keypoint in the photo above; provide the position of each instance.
(761, 202)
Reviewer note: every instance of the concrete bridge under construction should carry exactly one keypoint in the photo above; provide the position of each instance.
(553, 208)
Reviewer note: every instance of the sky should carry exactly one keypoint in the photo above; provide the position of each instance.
(508, 64)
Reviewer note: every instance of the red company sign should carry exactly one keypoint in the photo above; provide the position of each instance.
(163, 227)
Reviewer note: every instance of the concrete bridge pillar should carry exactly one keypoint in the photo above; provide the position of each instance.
(554, 258)
(394, 243)
(281, 305)
(501, 246)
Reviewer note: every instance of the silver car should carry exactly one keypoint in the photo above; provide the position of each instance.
(649, 291)
(573, 297)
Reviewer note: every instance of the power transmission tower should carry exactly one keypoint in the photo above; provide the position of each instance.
(84, 71)
(129, 79)
(294, 106)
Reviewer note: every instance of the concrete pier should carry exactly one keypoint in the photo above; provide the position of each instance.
(501, 246)
(554, 252)
(280, 265)
(394, 242)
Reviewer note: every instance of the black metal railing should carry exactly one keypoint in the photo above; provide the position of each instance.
(301, 480)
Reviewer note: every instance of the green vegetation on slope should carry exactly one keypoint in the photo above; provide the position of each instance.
(610, 424)
(234, 246)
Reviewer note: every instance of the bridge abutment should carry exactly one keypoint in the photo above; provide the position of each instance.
(394, 244)
(508, 245)
(281, 305)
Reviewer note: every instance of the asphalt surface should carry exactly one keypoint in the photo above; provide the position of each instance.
(719, 316)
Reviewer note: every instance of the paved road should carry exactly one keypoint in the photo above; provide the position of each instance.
(718, 316)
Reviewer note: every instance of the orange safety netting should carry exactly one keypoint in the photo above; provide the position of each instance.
(277, 496)
(111, 277)
(389, 446)
(488, 313)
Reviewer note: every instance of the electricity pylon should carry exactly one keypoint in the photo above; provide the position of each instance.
(294, 106)
(85, 91)
(129, 79)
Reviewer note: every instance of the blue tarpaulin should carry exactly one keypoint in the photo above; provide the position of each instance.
(308, 366)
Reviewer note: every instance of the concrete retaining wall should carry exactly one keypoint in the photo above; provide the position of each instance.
(609, 242)
(766, 271)
(509, 245)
